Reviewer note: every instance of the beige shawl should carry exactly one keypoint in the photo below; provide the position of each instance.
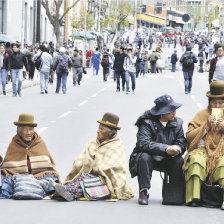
(108, 160)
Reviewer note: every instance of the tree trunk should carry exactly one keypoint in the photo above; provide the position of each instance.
(58, 35)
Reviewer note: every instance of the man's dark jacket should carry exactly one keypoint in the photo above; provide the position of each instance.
(119, 62)
(17, 60)
(154, 138)
(195, 60)
(174, 58)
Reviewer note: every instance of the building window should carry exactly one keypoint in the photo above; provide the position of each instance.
(1, 16)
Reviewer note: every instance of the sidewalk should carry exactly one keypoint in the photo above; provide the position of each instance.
(26, 83)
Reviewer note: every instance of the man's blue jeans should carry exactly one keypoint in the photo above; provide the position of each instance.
(61, 78)
(3, 76)
(17, 74)
(127, 77)
(173, 67)
(188, 80)
(118, 76)
(44, 80)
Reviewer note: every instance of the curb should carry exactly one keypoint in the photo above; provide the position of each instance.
(25, 85)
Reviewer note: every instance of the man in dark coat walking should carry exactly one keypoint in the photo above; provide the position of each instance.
(174, 60)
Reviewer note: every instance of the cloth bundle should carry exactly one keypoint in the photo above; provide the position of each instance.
(27, 187)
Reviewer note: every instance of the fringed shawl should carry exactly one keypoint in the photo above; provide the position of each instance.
(15, 160)
(108, 160)
(213, 140)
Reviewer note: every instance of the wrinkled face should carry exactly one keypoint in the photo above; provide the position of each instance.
(2, 49)
(217, 103)
(26, 133)
(169, 117)
(103, 134)
(220, 52)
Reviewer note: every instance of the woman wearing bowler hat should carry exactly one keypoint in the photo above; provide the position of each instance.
(205, 157)
(160, 145)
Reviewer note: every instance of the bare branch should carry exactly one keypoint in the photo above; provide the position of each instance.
(46, 7)
(68, 9)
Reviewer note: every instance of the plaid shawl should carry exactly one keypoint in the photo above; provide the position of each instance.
(107, 160)
(15, 160)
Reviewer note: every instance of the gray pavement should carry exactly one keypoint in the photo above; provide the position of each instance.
(68, 122)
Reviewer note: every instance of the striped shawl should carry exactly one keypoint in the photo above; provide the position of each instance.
(15, 160)
(107, 160)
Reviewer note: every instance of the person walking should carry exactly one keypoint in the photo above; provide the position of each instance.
(130, 70)
(31, 64)
(119, 69)
(174, 60)
(96, 61)
(153, 57)
(188, 59)
(201, 58)
(216, 71)
(143, 63)
(138, 62)
(45, 67)
(77, 69)
(61, 65)
(150, 42)
(3, 69)
(105, 65)
(16, 61)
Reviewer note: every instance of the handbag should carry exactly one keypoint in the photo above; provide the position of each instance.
(173, 191)
(38, 62)
(94, 189)
(211, 195)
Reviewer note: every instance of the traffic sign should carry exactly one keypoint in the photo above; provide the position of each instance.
(185, 18)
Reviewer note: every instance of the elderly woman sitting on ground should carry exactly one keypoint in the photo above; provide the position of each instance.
(27, 159)
(103, 156)
(205, 135)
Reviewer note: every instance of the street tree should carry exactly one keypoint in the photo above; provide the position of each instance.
(79, 22)
(118, 15)
(53, 11)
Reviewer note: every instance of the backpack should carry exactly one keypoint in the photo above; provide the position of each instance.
(188, 60)
(38, 62)
(63, 63)
(105, 61)
(153, 57)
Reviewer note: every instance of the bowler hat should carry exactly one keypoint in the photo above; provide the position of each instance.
(110, 120)
(216, 90)
(25, 120)
(164, 105)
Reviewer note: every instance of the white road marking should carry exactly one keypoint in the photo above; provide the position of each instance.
(200, 105)
(42, 130)
(192, 97)
(53, 121)
(65, 114)
(103, 89)
(94, 95)
(169, 76)
(82, 103)
(153, 76)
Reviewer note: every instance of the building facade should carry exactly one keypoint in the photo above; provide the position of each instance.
(25, 21)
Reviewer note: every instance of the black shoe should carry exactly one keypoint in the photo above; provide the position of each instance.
(4, 93)
(123, 89)
(19, 93)
(143, 198)
(41, 92)
(64, 92)
(194, 203)
(46, 91)
(117, 90)
(56, 92)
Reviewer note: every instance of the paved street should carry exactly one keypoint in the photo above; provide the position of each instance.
(68, 122)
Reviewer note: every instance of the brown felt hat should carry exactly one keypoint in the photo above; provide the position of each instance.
(216, 90)
(110, 120)
(25, 120)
